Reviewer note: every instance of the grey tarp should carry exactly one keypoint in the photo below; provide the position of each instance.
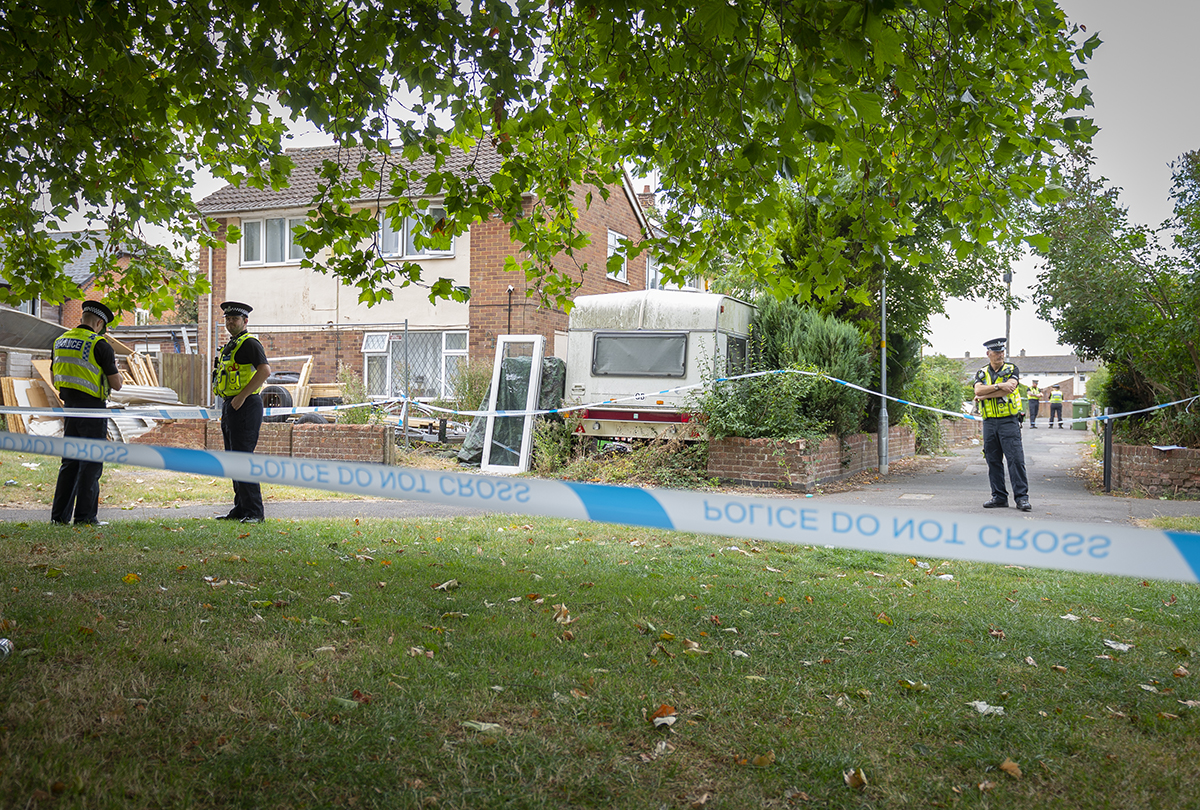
(514, 387)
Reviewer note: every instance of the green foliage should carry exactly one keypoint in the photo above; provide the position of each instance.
(939, 383)
(670, 463)
(1097, 387)
(1128, 294)
(775, 406)
(790, 335)
(353, 391)
(552, 443)
(469, 386)
(885, 115)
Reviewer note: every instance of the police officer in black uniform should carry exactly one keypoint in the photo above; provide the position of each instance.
(996, 387)
(84, 367)
(238, 375)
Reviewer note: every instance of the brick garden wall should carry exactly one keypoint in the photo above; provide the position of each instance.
(802, 465)
(958, 431)
(1156, 472)
(373, 444)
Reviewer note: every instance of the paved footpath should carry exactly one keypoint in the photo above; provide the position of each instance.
(958, 483)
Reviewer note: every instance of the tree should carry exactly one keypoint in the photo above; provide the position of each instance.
(876, 109)
(1126, 293)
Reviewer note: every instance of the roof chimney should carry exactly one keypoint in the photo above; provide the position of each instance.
(1022, 352)
(966, 355)
(646, 199)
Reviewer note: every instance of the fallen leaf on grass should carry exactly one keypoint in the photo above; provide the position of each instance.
(1029, 660)
(417, 652)
(1180, 671)
(1071, 617)
(329, 650)
(692, 648)
(855, 778)
(1168, 716)
(131, 578)
(883, 618)
(984, 708)
(1191, 704)
(343, 703)
(740, 654)
(448, 585)
(1116, 645)
(986, 786)
(562, 615)
(483, 728)
(1148, 687)
(1011, 768)
(1058, 668)
(764, 760)
(914, 686)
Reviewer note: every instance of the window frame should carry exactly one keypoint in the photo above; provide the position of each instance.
(291, 252)
(405, 249)
(615, 247)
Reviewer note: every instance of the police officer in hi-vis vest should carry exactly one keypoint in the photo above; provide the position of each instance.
(1033, 397)
(238, 374)
(84, 367)
(1000, 405)
(1056, 401)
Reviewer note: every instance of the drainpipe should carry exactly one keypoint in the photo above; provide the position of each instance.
(510, 292)
(211, 401)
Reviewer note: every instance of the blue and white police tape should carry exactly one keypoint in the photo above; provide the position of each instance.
(1092, 548)
(179, 412)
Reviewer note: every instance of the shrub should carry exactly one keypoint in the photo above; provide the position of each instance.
(940, 383)
(353, 391)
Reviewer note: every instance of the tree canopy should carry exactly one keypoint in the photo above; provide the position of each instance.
(1124, 292)
(880, 112)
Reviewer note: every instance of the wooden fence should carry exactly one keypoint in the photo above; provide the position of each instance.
(188, 374)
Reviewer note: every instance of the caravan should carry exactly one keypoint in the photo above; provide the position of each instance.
(636, 347)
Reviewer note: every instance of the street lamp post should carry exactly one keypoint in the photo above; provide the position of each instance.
(883, 412)
(1008, 313)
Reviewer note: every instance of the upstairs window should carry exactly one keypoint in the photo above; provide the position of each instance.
(402, 243)
(615, 248)
(271, 241)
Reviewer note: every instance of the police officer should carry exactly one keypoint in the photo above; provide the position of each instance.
(1033, 397)
(996, 391)
(1056, 401)
(84, 368)
(238, 374)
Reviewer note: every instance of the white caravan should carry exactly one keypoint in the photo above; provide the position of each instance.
(635, 347)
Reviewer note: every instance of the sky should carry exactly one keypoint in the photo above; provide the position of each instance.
(1142, 79)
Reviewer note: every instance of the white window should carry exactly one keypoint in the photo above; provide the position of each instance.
(426, 368)
(615, 248)
(31, 307)
(141, 317)
(271, 241)
(402, 243)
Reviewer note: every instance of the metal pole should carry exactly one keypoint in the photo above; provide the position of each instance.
(405, 411)
(1008, 315)
(883, 412)
(1108, 451)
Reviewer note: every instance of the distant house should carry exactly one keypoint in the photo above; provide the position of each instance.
(1068, 371)
(408, 340)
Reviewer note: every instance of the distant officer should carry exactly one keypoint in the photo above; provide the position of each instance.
(84, 367)
(1056, 401)
(1032, 397)
(238, 375)
(1000, 405)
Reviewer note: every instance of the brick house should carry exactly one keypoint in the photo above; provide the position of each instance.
(67, 314)
(304, 312)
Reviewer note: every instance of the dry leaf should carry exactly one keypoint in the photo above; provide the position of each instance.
(1191, 704)
(1011, 768)
(1058, 668)
(662, 711)
(986, 786)
(914, 686)
(1180, 671)
(984, 708)
(1168, 716)
(1116, 645)
(764, 760)
(131, 578)
(1148, 687)
(448, 585)
(855, 778)
(562, 615)
(1029, 660)
(692, 648)
(1071, 617)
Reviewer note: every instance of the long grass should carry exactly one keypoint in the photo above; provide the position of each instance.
(486, 663)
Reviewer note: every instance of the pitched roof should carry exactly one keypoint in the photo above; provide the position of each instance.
(1048, 365)
(481, 162)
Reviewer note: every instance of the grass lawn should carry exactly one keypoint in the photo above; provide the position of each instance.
(487, 663)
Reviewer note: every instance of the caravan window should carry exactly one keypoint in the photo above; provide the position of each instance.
(639, 354)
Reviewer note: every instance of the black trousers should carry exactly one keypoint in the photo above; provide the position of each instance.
(239, 429)
(1002, 442)
(1056, 410)
(1032, 404)
(77, 492)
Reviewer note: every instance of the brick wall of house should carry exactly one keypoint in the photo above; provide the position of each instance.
(211, 302)
(490, 313)
(366, 443)
(802, 465)
(1156, 472)
(328, 346)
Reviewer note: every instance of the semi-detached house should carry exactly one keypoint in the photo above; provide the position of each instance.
(300, 311)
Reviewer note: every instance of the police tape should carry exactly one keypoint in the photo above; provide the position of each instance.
(1089, 548)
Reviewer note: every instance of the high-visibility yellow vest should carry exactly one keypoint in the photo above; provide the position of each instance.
(74, 364)
(1033, 393)
(1056, 396)
(231, 377)
(1007, 406)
